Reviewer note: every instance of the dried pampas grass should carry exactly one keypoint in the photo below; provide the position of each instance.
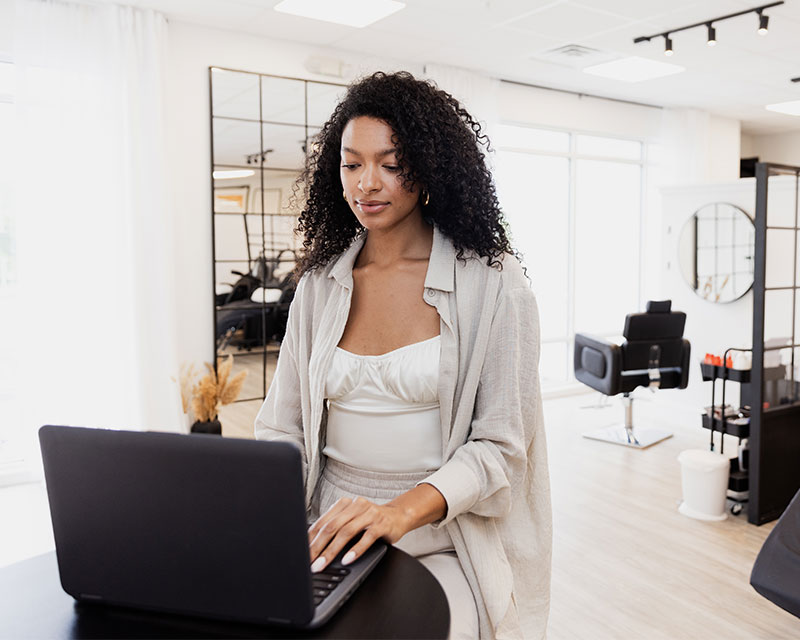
(185, 381)
(206, 397)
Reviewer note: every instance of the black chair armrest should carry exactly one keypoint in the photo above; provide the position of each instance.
(597, 363)
(685, 364)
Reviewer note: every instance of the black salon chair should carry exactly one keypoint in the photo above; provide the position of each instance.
(654, 355)
(776, 572)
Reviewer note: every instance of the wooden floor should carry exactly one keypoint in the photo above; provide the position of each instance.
(626, 564)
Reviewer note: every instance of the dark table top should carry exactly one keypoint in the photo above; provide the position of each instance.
(399, 599)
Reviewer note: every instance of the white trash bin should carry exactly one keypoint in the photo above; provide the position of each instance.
(704, 476)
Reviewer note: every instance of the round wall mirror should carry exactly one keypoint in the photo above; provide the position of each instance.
(716, 251)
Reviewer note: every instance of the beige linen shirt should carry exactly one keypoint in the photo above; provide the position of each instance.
(494, 476)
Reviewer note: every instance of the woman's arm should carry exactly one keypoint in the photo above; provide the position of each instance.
(483, 474)
(281, 417)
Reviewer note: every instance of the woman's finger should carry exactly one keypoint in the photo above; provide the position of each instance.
(330, 526)
(338, 532)
(335, 509)
(360, 547)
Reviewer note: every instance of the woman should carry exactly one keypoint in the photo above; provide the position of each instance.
(408, 375)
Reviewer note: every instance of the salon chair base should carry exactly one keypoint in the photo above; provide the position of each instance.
(638, 438)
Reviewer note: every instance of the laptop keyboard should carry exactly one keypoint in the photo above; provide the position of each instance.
(326, 581)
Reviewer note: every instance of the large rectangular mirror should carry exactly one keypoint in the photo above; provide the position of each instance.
(261, 127)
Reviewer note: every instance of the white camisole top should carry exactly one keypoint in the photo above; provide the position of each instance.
(383, 411)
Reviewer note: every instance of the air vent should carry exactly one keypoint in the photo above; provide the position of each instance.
(574, 55)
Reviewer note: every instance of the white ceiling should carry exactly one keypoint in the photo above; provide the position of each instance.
(507, 39)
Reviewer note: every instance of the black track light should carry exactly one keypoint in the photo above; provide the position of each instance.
(763, 24)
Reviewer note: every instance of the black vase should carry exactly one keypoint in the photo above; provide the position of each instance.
(208, 426)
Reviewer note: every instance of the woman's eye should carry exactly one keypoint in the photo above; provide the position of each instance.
(349, 166)
(391, 167)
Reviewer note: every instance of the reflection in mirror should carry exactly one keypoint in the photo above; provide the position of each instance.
(284, 146)
(283, 101)
(236, 144)
(262, 128)
(234, 94)
(242, 190)
(715, 252)
(253, 383)
(322, 100)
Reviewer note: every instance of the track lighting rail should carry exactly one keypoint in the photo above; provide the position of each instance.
(708, 23)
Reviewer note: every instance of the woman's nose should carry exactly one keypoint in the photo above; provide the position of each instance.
(370, 180)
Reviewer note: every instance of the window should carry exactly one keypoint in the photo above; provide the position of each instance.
(573, 203)
(534, 191)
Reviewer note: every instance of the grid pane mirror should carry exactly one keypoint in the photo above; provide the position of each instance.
(261, 127)
(715, 252)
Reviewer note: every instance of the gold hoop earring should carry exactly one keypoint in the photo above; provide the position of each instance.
(427, 199)
(344, 195)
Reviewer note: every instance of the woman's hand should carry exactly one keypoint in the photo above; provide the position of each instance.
(345, 520)
(391, 521)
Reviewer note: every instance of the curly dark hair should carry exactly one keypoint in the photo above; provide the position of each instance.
(438, 147)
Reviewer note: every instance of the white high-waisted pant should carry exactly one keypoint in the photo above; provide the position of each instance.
(432, 547)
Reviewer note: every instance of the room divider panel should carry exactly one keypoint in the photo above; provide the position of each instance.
(775, 390)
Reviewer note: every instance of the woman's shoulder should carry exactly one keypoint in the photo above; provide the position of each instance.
(316, 285)
(505, 270)
(312, 283)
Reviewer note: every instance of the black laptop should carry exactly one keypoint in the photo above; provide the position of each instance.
(189, 524)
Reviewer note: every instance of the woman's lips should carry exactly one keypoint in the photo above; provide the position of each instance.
(371, 207)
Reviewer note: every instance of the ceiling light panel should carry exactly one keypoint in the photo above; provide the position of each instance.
(633, 69)
(352, 13)
(792, 108)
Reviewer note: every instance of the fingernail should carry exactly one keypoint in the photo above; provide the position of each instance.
(317, 565)
(349, 557)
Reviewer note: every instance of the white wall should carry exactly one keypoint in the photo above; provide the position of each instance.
(699, 148)
(192, 50)
(780, 148)
(725, 149)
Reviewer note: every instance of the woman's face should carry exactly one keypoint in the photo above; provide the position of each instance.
(371, 176)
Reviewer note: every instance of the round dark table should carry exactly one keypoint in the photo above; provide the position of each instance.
(399, 599)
